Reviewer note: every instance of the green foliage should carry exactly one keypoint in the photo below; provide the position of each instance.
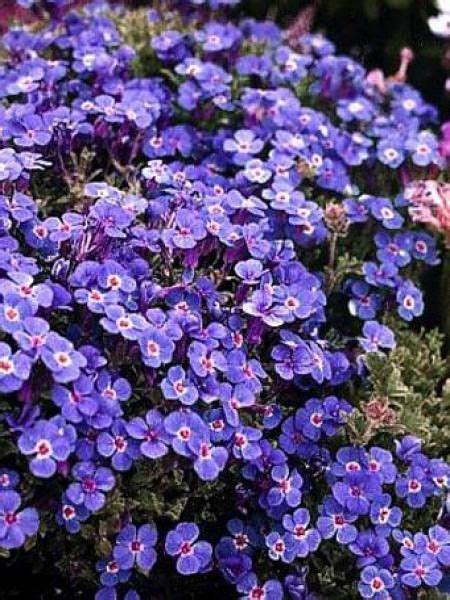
(414, 379)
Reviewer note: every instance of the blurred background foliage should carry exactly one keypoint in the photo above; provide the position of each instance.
(374, 31)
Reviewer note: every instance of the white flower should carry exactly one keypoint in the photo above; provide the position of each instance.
(440, 25)
(443, 6)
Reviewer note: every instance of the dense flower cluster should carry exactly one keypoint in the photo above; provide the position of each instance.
(171, 290)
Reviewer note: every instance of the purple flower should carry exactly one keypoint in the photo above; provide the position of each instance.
(90, 486)
(393, 249)
(383, 211)
(376, 336)
(45, 442)
(359, 109)
(193, 556)
(417, 570)
(210, 459)
(176, 386)
(111, 388)
(136, 546)
(414, 487)
(287, 487)
(13, 311)
(113, 219)
(375, 583)
(71, 515)
(15, 526)
(337, 520)
(424, 149)
(118, 320)
(190, 229)
(256, 171)
(306, 539)
(31, 130)
(261, 305)
(240, 369)
(381, 275)
(111, 573)
(156, 347)
(356, 492)
(14, 369)
(380, 464)
(436, 543)
(245, 443)
(115, 444)
(78, 403)
(10, 165)
(369, 547)
(390, 152)
(408, 448)
(410, 301)
(280, 546)
(249, 271)
(153, 433)
(205, 362)
(9, 480)
(32, 335)
(243, 146)
(251, 589)
(363, 304)
(62, 359)
(186, 430)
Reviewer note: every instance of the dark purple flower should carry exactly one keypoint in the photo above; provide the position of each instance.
(369, 547)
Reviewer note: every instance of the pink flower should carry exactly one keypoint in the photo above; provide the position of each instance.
(430, 202)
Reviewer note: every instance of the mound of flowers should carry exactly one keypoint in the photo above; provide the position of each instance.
(207, 233)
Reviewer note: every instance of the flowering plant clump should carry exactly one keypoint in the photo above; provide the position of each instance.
(208, 239)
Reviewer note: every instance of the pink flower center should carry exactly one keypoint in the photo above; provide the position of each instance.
(316, 419)
(68, 512)
(11, 314)
(89, 485)
(62, 358)
(10, 518)
(414, 485)
(184, 433)
(112, 567)
(257, 593)
(377, 583)
(241, 541)
(186, 548)
(6, 366)
(43, 449)
(120, 443)
(152, 348)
